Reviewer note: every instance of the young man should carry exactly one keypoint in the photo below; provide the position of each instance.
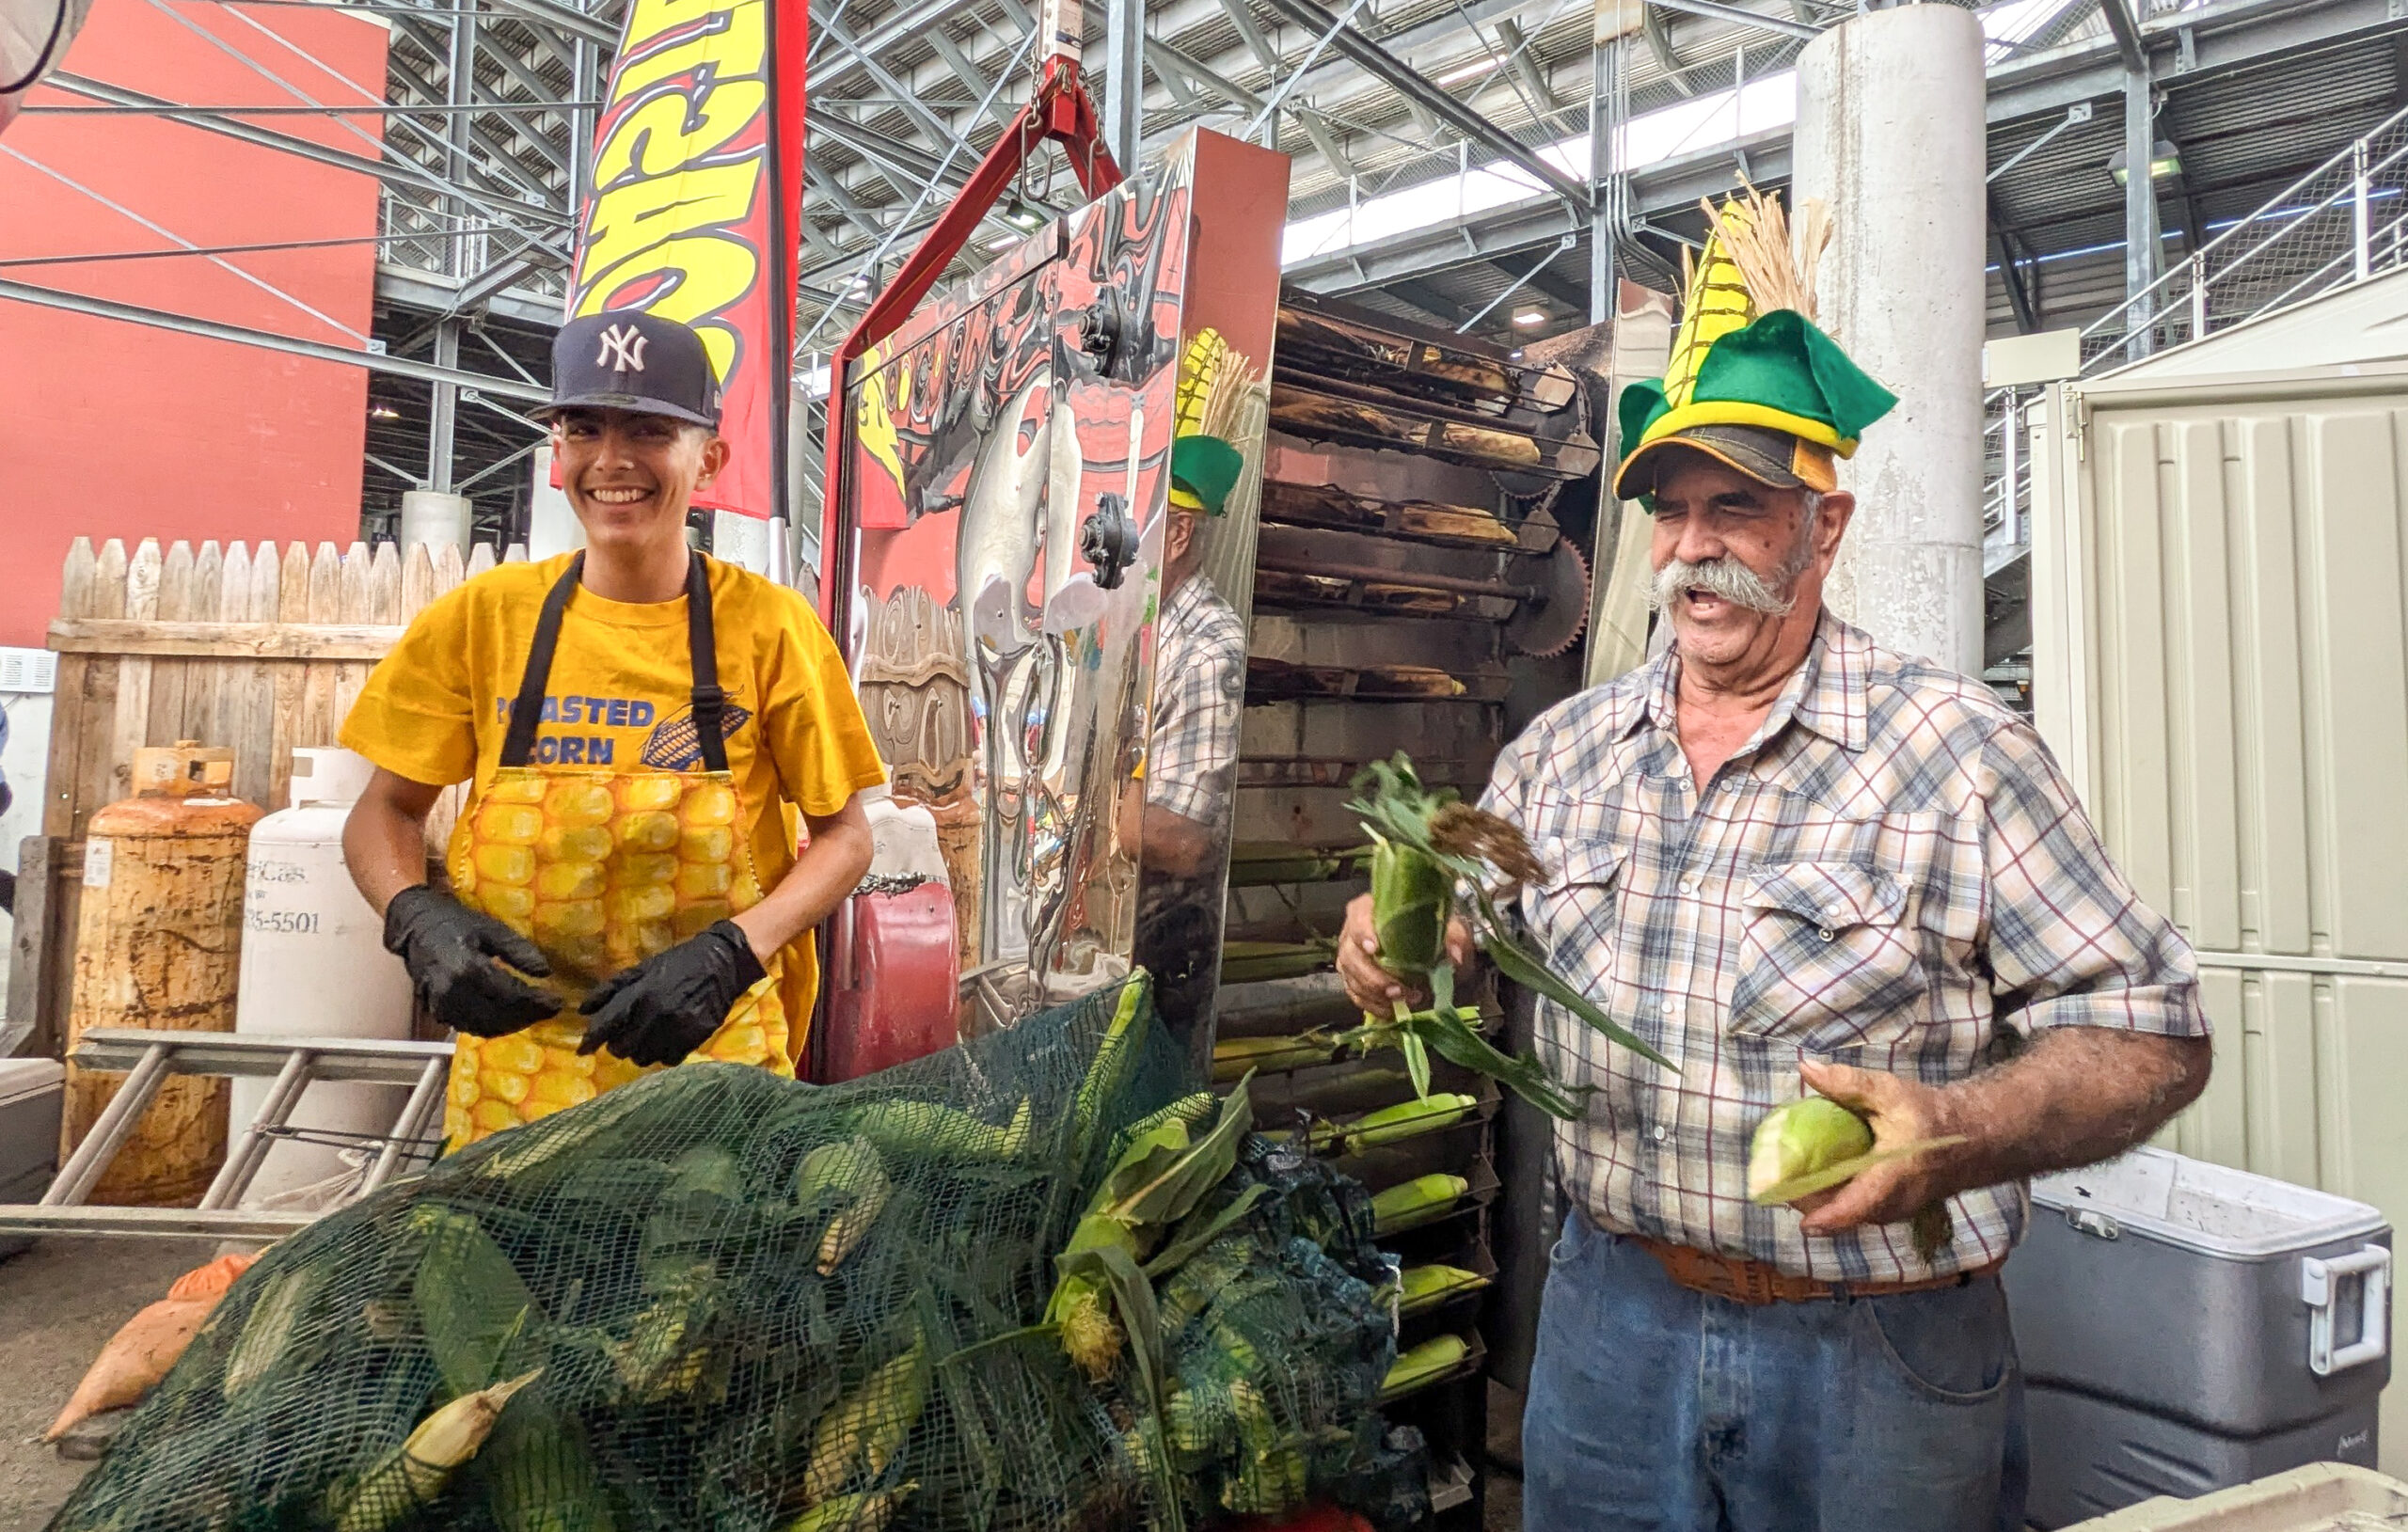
(635, 719)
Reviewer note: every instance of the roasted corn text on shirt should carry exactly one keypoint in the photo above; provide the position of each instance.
(1890, 872)
(435, 710)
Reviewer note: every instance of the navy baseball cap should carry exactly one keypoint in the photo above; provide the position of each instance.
(631, 360)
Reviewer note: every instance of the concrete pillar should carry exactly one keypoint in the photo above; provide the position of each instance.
(2144, 245)
(436, 516)
(552, 526)
(1889, 132)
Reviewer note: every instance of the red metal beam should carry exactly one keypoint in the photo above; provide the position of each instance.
(1060, 111)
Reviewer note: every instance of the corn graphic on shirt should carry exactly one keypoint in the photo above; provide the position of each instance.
(613, 837)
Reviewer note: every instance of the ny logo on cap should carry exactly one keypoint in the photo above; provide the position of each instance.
(625, 344)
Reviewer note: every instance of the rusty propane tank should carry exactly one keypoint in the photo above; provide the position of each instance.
(159, 946)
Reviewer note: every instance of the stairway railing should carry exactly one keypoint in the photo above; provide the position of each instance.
(2343, 222)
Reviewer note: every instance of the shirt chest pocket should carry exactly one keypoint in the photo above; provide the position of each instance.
(1574, 912)
(1828, 959)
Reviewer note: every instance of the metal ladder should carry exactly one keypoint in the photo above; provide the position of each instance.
(150, 1057)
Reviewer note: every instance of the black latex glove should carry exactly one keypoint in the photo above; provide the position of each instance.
(455, 957)
(669, 1004)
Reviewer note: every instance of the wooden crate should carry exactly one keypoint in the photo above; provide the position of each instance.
(262, 650)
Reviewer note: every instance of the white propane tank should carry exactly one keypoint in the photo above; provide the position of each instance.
(314, 964)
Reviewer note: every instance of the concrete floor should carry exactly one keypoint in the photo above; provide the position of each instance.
(58, 1303)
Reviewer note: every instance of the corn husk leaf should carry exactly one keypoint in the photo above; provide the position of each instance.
(1451, 1034)
(1520, 966)
(1134, 1297)
(1159, 1191)
(1198, 1231)
(471, 1301)
(1395, 807)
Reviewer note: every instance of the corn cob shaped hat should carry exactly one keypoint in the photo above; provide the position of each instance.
(1204, 463)
(1751, 383)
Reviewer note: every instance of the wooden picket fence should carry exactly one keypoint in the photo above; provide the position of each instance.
(257, 649)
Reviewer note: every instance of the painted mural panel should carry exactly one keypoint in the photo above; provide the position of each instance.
(1035, 543)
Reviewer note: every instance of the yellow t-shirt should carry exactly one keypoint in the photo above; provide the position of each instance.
(435, 710)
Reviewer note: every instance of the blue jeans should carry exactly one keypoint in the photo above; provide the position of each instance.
(1652, 1406)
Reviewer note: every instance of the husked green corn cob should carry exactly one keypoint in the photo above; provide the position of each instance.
(1800, 1138)
(1427, 1286)
(930, 1131)
(405, 1478)
(1232, 1057)
(1114, 1060)
(1188, 1112)
(849, 1228)
(1419, 1201)
(865, 1429)
(1412, 897)
(844, 1168)
(861, 1512)
(1433, 1359)
(1408, 1119)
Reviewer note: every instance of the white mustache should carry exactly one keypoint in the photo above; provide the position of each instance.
(1728, 578)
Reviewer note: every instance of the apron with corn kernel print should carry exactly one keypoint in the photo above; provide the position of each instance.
(601, 869)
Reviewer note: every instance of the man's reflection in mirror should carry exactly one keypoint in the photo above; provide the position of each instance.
(1190, 767)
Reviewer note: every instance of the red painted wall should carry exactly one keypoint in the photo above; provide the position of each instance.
(109, 429)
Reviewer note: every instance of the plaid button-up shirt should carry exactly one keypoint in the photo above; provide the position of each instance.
(1887, 874)
(1199, 695)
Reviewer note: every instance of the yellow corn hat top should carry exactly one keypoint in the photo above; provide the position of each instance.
(1715, 304)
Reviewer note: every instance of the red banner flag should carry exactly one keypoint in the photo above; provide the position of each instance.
(697, 209)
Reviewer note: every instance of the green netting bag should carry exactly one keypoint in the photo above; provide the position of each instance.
(714, 1299)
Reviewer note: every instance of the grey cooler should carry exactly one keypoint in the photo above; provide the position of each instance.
(2185, 1326)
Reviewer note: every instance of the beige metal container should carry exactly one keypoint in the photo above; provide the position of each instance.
(159, 946)
(2322, 1497)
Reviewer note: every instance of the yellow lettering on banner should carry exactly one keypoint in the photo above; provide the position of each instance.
(657, 138)
(736, 50)
(710, 272)
(641, 215)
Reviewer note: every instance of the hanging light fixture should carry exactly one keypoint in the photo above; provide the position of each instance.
(2164, 164)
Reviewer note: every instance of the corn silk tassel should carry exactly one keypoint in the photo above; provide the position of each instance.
(1425, 845)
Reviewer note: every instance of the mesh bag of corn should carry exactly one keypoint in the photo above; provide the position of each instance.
(1035, 1282)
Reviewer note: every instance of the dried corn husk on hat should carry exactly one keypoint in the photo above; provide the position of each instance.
(1752, 381)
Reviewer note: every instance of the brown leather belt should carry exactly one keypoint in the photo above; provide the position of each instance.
(1744, 1281)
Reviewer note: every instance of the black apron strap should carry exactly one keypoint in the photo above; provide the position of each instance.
(518, 743)
(710, 704)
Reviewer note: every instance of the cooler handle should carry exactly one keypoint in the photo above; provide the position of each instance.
(2319, 1281)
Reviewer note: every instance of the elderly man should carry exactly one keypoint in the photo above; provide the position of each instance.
(1788, 857)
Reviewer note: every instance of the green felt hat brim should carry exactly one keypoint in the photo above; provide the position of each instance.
(1780, 372)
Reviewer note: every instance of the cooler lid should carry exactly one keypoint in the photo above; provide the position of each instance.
(22, 1080)
(2213, 1209)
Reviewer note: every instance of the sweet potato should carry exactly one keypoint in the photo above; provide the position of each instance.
(145, 1346)
(211, 1281)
